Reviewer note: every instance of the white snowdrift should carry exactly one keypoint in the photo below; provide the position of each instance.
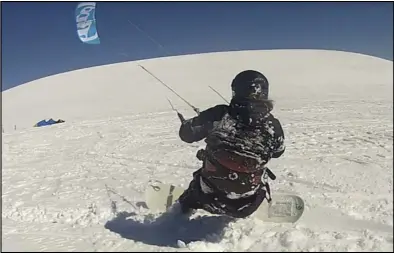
(79, 185)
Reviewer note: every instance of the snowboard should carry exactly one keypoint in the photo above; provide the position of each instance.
(284, 208)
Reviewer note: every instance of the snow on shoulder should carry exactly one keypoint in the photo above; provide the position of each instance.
(79, 185)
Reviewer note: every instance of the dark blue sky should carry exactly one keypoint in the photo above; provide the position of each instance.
(39, 38)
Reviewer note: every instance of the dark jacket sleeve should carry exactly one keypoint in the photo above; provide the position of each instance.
(197, 128)
(279, 136)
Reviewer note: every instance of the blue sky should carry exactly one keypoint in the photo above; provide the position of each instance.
(39, 38)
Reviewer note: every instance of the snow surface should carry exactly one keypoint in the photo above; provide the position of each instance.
(78, 186)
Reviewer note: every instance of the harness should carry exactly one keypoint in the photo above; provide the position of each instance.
(231, 177)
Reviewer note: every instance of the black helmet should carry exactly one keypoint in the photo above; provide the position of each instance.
(250, 85)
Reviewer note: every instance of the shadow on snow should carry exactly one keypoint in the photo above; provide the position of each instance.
(168, 228)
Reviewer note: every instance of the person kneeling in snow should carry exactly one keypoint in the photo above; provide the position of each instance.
(240, 140)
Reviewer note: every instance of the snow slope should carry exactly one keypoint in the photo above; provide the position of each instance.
(79, 185)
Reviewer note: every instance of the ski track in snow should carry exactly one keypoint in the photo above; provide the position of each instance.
(80, 186)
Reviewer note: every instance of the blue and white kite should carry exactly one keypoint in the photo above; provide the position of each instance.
(86, 23)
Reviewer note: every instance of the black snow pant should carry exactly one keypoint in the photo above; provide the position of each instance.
(216, 202)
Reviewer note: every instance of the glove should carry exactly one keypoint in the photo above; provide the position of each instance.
(201, 155)
(180, 116)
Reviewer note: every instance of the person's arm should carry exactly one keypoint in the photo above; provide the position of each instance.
(197, 128)
(279, 136)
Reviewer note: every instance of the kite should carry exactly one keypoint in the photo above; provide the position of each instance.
(86, 23)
